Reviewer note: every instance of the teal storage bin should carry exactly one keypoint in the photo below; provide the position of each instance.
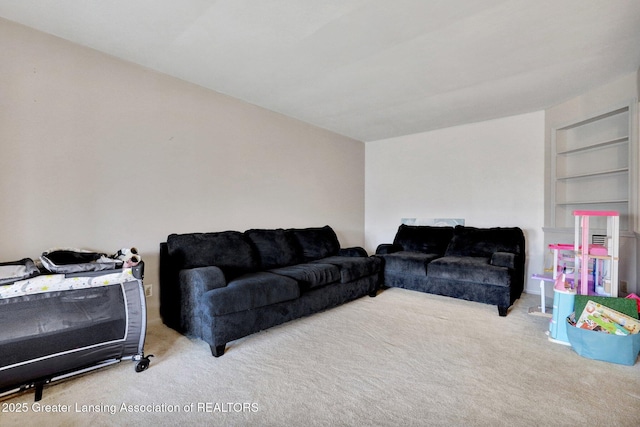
(595, 345)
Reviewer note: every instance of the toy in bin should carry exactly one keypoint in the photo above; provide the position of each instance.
(600, 318)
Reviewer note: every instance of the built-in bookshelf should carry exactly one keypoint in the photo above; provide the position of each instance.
(592, 167)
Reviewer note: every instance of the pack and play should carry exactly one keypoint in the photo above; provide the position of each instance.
(79, 314)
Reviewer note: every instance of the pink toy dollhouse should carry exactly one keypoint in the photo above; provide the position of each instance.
(596, 265)
(589, 268)
(583, 267)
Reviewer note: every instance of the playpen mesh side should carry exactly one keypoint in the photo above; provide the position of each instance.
(45, 334)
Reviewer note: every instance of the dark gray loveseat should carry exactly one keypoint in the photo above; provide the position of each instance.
(477, 264)
(223, 286)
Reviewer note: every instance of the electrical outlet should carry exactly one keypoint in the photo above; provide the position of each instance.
(624, 287)
(148, 290)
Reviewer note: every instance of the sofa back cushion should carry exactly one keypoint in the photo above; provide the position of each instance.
(483, 242)
(316, 243)
(423, 238)
(275, 248)
(231, 251)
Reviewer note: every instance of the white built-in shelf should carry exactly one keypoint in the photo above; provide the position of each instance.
(599, 173)
(592, 202)
(596, 146)
(592, 166)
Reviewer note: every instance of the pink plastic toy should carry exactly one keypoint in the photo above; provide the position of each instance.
(560, 285)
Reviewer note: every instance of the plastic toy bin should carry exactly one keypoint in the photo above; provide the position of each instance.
(619, 349)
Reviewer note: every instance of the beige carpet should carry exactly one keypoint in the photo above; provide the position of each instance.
(402, 358)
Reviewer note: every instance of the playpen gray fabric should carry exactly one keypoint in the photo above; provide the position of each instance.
(44, 335)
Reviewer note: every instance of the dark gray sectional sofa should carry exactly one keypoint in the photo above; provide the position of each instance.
(223, 286)
(477, 264)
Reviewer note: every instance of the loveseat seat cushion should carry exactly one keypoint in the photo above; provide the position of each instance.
(250, 291)
(275, 248)
(422, 238)
(316, 243)
(231, 251)
(353, 268)
(469, 269)
(310, 275)
(405, 262)
(483, 242)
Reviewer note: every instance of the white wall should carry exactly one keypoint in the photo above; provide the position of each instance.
(489, 173)
(101, 154)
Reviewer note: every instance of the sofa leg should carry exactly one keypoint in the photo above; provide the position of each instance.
(502, 310)
(373, 293)
(217, 350)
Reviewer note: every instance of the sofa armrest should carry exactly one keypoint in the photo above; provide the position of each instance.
(387, 248)
(201, 279)
(194, 282)
(355, 251)
(504, 259)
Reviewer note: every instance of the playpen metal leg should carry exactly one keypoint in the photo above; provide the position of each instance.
(39, 386)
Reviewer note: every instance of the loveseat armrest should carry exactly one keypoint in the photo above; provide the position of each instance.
(355, 251)
(387, 248)
(504, 259)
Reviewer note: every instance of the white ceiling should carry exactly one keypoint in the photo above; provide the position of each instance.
(368, 69)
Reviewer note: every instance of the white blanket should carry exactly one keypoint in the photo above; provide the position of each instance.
(58, 282)
(12, 271)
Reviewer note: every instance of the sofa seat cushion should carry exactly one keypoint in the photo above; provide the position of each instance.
(250, 291)
(405, 262)
(311, 275)
(469, 269)
(353, 268)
